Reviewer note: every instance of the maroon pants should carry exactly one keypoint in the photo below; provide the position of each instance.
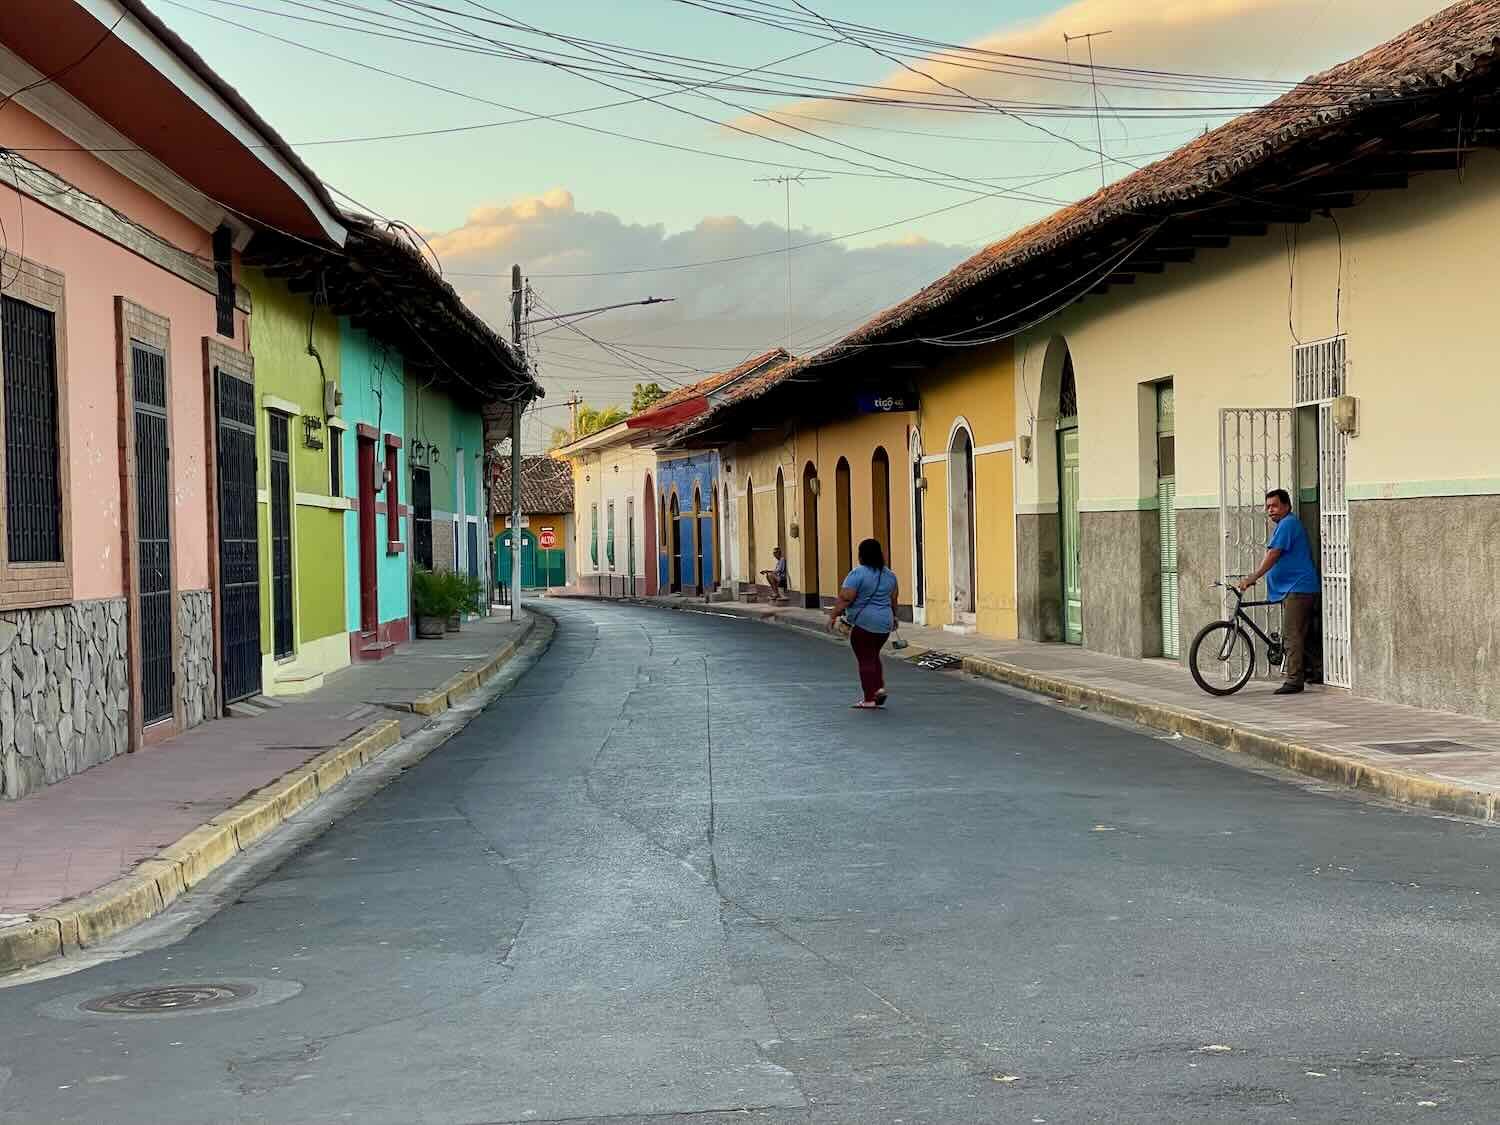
(866, 646)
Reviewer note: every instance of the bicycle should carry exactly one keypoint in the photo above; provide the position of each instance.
(1230, 652)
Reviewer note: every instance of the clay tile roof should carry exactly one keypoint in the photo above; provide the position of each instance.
(714, 382)
(546, 486)
(1456, 47)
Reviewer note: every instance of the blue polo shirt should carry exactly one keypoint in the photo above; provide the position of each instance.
(1294, 572)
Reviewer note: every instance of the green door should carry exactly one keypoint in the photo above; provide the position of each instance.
(1067, 510)
(528, 559)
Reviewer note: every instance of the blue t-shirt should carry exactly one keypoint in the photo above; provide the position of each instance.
(871, 610)
(1294, 572)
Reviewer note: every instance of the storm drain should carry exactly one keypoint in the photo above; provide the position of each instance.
(1424, 746)
(939, 660)
(185, 998)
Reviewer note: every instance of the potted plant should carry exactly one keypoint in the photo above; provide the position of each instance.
(431, 602)
(456, 585)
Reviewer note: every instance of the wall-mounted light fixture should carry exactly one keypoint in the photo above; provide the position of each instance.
(1026, 448)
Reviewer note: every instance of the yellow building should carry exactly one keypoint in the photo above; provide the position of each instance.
(1296, 300)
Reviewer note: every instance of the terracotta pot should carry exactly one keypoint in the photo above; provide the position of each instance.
(455, 623)
(430, 627)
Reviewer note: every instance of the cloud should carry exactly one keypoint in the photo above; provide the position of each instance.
(720, 314)
(1283, 39)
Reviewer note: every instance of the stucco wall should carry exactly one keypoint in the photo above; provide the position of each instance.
(1218, 327)
(682, 476)
(972, 389)
(372, 379)
(284, 370)
(617, 474)
(95, 272)
(755, 462)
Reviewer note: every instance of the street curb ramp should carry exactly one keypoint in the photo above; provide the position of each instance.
(156, 883)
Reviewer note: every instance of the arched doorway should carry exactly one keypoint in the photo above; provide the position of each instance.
(781, 511)
(918, 517)
(674, 522)
(961, 537)
(750, 562)
(698, 552)
(880, 502)
(810, 594)
(725, 543)
(843, 519)
(1068, 461)
(648, 538)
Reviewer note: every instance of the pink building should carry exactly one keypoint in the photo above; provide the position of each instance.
(131, 177)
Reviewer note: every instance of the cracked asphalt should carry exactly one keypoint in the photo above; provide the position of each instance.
(670, 877)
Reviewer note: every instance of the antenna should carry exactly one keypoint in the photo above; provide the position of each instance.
(1088, 37)
(787, 182)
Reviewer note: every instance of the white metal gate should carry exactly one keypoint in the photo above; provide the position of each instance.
(1257, 452)
(1319, 374)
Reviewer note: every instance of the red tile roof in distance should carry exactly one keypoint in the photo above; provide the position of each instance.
(688, 402)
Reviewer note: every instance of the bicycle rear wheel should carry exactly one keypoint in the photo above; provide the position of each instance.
(1222, 658)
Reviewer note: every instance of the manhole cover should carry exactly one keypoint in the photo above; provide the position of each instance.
(939, 660)
(163, 1001)
(172, 998)
(1424, 746)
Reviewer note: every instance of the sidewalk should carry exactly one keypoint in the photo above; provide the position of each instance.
(197, 799)
(1432, 759)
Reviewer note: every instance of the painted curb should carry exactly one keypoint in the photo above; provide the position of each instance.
(1422, 792)
(1326, 765)
(155, 883)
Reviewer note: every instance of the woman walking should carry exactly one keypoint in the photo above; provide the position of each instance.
(867, 604)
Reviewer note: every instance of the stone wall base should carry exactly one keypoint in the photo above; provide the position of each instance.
(197, 678)
(64, 694)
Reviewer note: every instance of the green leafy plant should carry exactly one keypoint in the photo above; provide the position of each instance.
(434, 595)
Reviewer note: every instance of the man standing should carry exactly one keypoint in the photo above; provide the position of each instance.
(1292, 580)
(776, 576)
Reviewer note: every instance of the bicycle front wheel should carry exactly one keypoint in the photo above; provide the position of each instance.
(1222, 658)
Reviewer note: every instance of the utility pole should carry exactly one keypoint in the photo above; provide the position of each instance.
(573, 404)
(1088, 37)
(517, 313)
(786, 182)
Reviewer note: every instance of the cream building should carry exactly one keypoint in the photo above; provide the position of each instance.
(1296, 299)
(614, 511)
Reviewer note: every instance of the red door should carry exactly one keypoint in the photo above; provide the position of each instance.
(649, 508)
(369, 620)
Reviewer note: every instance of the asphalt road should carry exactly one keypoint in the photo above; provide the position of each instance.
(672, 878)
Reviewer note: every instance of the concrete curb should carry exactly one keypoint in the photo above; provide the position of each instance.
(1422, 792)
(468, 682)
(156, 883)
(1326, 765)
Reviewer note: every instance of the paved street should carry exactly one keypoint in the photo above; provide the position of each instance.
(671, 876)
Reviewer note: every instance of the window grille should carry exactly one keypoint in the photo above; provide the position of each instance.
(33, 496)
(421, 518)
(224, 275)
(335, 462)
(1318, 369)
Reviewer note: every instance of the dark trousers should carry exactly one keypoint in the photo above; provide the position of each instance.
(1302, 627)
(866, 646)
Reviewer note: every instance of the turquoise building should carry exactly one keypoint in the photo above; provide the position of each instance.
(371, 430)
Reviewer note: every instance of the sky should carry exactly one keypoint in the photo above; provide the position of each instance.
(891, 196)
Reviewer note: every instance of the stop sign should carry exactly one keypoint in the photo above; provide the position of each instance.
(547, 539)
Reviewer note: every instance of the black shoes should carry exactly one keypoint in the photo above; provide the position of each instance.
(1289, 688)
